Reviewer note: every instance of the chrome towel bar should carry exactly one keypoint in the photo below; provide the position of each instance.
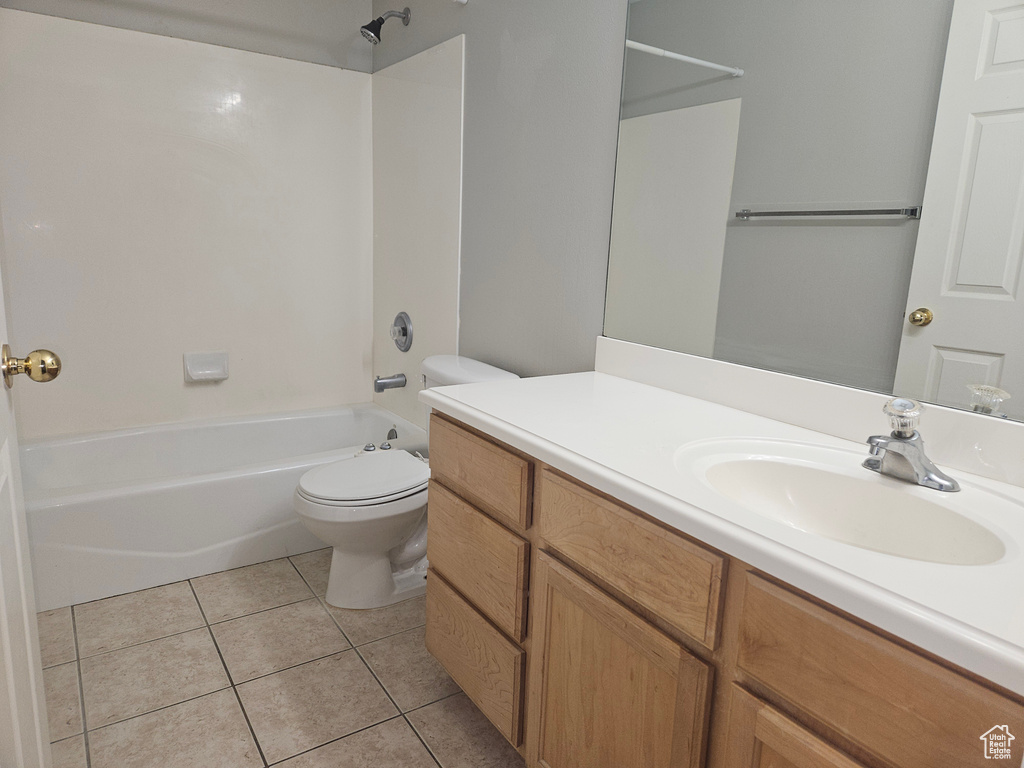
(911, 213)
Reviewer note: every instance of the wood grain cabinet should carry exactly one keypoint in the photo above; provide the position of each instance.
(606, 687)
(594, 636)
(762, 737)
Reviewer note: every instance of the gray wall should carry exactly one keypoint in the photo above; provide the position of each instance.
(542, 104)
(320, 31)
(838, 106)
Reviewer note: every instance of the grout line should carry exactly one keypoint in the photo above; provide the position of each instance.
(160, 709)
(81, 688)
(231, 680)
(424, 706)
(293, 666)
(261, 610)
(382, 686)
(340, 738)
(421, 739)
(144, 642)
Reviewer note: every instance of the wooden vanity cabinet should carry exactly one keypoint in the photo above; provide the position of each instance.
(593, 636)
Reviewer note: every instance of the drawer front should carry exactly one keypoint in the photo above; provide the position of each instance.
(488, 476)
(665, 573)
(761, 737)
(908, 710)
(482, 559)
(488, 667)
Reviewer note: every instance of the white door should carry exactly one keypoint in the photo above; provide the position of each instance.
(970, 247)
(24, 737)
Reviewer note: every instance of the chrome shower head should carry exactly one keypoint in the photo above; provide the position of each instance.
(371, 31)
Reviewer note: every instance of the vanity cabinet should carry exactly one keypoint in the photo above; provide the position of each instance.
(593, 636)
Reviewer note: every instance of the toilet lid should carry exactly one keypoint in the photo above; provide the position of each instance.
(366, 476)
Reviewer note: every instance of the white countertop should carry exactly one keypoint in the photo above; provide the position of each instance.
(622, 438)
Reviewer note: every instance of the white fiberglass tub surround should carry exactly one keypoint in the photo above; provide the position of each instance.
(114, 512)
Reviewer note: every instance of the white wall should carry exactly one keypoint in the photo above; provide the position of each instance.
(417, 204)
(319, 31)
(673, 183)
(162, 196)
(542, 105)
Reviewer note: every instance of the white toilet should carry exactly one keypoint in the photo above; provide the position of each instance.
(372, 508)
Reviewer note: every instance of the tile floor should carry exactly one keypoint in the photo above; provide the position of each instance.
(250, 667)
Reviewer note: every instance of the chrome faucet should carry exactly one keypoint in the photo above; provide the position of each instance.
(901, 454)
(380, 383)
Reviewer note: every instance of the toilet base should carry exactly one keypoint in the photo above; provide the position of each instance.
(362, 581)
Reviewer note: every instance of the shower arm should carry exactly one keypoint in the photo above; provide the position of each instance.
(394, 15)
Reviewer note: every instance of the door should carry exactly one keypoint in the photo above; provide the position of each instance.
(970, 247)
(24, 738)
(606, 687)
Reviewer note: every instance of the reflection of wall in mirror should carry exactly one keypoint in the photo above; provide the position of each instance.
(838, 108)
(673, 182)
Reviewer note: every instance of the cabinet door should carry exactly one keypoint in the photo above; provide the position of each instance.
(761, 737)
(606, 687)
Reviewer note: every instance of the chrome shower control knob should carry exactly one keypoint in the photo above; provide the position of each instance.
(903, 414)
(385, 446)
(369, 447)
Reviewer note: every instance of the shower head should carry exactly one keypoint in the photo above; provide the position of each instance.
(371, 31)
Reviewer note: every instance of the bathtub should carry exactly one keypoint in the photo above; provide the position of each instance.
(114, 512)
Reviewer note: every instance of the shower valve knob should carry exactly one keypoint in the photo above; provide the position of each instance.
(41, 365)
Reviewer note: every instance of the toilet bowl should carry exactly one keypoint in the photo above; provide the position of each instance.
(372, 509)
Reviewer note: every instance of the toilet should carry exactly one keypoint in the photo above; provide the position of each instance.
(372, 508)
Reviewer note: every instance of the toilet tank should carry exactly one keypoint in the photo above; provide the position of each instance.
(442, 370)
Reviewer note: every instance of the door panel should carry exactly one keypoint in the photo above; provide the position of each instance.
(606, 687)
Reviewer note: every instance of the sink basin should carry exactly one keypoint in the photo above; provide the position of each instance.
(824, 491)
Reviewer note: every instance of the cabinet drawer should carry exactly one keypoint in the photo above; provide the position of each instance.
(482, 559)
(760, 737)
(488, 667)
(490, 477)
(665, 573)
(908, 710)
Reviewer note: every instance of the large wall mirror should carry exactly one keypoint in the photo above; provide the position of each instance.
(819, 120)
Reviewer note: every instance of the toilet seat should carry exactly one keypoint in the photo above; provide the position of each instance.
(365, 479)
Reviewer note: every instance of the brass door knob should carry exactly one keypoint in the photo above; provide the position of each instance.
(40, 365)
(921, 316)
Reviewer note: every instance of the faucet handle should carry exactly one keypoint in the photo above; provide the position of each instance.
(903, 415)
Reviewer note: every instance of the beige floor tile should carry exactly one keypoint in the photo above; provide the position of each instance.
(367, 626)
(315, 567)
(56, 636)
(69, 753)
(307, 706)
(230, 594)
(276, 639)
(132, 681)
(389, 745)
(405, 667)
(63, 704)
(203, 733)
(461, 737)
(137, 617)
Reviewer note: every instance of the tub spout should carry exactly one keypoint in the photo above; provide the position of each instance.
(380, 383)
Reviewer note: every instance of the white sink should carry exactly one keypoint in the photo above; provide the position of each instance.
(824, 491)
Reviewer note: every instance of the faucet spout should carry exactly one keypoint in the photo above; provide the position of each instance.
(380, 383)
(901, 454)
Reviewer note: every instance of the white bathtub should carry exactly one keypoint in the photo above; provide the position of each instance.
(114, 512)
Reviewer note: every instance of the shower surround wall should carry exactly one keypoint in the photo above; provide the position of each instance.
(162, 196)
(417, 206)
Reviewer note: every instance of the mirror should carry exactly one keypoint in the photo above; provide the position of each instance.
(835, 110)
